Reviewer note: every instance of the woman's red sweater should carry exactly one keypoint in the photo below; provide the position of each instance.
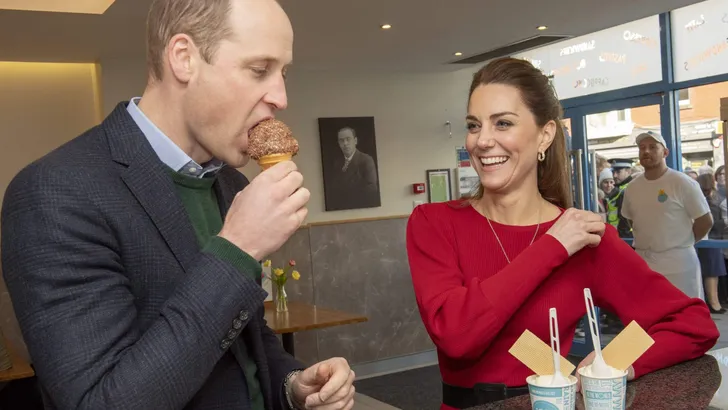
(475, 305)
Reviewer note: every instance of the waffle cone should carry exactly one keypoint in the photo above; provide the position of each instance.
(267, 161)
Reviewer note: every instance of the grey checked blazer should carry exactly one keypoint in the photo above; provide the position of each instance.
(118, 306)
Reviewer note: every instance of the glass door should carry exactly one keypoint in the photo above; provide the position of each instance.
(604, 159)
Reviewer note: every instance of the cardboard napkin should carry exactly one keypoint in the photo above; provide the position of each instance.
(537, 356)
(627, 347)
(622, 351)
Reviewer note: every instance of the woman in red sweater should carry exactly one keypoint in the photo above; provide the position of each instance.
(486, 269)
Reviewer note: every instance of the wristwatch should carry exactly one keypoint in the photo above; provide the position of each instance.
(287, 388)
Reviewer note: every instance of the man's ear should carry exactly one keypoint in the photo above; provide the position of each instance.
(182, 56)
(667, 152)
(548, 133)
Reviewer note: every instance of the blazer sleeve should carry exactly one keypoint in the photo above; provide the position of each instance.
(370, 174)
(280, 363)
(624, 284)
(67, 281)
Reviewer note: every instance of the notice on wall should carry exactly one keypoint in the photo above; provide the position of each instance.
(619, 57)
(467, 181)
(700, 38)
(462, 157)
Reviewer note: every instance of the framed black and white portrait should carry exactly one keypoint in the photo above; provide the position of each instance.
(349, 159)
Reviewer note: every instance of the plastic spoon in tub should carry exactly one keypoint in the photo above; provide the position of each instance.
(599, 367)
(559, 379)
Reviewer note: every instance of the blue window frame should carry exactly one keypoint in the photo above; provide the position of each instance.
(664, 93)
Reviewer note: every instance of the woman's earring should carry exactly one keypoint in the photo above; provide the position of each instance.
(541, 156)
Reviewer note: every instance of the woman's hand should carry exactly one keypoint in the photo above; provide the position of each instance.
(577, 229)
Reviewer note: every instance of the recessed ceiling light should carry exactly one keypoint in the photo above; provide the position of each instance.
(458, 53)
(386, 26)
(542, 28)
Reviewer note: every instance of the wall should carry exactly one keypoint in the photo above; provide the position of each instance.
(359, 267)
(41, 107)
(409, 110)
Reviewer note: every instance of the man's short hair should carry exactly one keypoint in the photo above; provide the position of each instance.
(205, 21)
(353, 132)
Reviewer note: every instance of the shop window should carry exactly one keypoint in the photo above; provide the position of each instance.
(700, 47)
(611, 59)
(701, 139)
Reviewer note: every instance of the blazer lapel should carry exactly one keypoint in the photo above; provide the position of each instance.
(225, 192)
(147, 179)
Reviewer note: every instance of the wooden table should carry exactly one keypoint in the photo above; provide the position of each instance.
(20, 370)
(302, 316)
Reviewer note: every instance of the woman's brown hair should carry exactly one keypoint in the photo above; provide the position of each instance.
(707, 184)
(540, 97)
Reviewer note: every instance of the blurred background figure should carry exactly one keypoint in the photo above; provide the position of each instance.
(622, 171)
(712, 264)
(606, 181)
(691, 173)
(720, 182)
(637, 170)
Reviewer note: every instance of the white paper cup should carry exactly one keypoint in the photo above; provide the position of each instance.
(604, 393)
(552, 398)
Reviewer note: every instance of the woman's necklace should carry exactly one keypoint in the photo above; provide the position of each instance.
(499, 241)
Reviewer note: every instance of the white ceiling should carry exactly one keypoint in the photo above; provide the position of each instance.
(338, 34)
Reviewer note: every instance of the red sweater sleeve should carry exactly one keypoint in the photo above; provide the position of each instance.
(625, 285)
(463, 317)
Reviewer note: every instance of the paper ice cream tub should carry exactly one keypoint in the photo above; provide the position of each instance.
(603, 393)
(547, 397)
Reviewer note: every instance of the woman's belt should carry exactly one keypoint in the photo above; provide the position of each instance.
(481, 393)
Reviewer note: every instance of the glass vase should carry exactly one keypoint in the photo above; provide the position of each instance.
(281, 298)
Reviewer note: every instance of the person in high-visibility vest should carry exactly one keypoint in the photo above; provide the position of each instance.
(621, 169)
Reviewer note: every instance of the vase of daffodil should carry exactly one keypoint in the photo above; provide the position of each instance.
(279, 277)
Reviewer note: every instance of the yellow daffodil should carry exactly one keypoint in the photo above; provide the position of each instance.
(295, 275)
(278, 271)
(267, 263)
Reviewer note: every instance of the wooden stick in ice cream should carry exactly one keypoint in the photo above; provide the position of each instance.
(271, 142)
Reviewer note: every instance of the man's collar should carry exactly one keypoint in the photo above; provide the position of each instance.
(167, 151)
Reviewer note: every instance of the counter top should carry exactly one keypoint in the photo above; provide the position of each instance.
(694, 385)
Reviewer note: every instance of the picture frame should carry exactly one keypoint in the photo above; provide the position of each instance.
(349, 162)
(439, 185)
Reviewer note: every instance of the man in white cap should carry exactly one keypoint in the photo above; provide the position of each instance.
(669, 214)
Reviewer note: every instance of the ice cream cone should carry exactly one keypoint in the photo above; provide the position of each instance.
(267, 161)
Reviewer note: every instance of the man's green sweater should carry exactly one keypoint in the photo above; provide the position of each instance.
(200, 201)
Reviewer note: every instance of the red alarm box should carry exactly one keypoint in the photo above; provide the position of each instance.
(418, 188)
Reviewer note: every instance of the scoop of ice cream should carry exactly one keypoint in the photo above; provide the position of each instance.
(271, 137)
(548, 381)
(612, 372)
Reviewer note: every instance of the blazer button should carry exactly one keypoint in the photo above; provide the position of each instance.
(232, 334)
(243, 315)
(225, 344)
(237, 324)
